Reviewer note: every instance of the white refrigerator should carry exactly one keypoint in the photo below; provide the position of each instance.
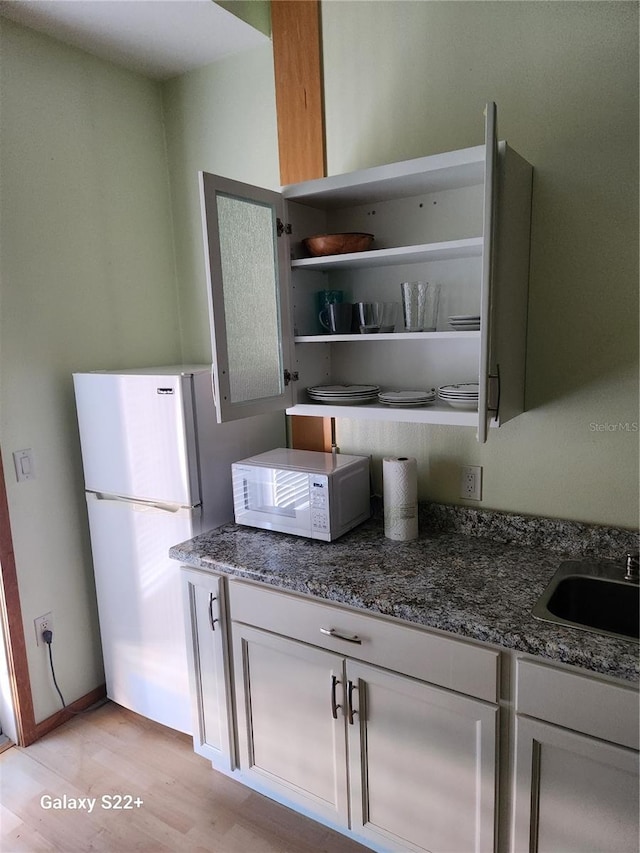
(157, 470)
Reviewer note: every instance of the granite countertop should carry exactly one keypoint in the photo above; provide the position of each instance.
(472, 573)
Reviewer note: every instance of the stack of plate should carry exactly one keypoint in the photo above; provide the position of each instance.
(460, 396)
(465, 322)
(348, 395)
(405, 399)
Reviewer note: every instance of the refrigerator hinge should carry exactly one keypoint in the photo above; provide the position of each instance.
(290, 377)
(493, 391)
(281, 228)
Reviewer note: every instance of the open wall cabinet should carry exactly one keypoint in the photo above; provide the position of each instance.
(459, 219)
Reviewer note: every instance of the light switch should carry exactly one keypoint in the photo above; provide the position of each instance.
(23, 461)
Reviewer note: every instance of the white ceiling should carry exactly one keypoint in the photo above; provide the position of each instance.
(157, 38)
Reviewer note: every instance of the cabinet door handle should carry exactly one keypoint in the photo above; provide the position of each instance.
(331, 632)
(350, 709)
(334, 704)
(212, 619)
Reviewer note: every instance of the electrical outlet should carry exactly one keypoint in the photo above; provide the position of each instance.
(43, 623)
(471, 482)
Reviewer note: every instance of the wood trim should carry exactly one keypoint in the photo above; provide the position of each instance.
(295, 27)
(13, 627)
(311, 433)
(64, 714)
(297, 62)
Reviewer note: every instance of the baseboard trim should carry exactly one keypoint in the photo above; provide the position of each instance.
(64, 714)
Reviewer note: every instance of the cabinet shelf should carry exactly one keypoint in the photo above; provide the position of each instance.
(448, 250)
(376, 411)
(386, 336)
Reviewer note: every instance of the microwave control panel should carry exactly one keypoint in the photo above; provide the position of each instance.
(319, 500)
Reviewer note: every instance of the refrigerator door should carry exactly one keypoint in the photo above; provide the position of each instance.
(140, 606)
(138, 437)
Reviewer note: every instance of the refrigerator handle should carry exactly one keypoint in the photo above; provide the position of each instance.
(164, 507)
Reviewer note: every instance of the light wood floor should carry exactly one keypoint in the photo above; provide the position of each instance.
(188, 806)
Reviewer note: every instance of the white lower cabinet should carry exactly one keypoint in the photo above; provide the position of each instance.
(389, 732)
(405, 765)
(204, 597)
(289, 741)
(421, 764)
(574, 792)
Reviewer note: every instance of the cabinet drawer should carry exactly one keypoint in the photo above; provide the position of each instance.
(579, 702)
(445, 662)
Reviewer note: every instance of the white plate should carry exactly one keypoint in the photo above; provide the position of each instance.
(461, 388)
(406, 396)
(413, 405)
(466, 405)
(458, 396)
(344, 401)
(466, 399)
(343, 389)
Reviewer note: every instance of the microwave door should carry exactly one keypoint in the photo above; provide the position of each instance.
(273, 499)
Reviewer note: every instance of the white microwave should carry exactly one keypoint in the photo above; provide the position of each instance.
(302, 492)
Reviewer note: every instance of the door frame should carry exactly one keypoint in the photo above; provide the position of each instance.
(12, 627)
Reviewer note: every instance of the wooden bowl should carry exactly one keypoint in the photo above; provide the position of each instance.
(337, 244)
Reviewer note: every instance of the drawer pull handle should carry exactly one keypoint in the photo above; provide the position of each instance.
(350, 709)
(331, 632)
(334, 704)
(212, 619)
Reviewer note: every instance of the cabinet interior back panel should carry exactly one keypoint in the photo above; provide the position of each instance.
(406, 365)
(428, 218)
(459, 286)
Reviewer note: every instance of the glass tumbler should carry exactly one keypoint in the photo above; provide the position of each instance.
(420, 305)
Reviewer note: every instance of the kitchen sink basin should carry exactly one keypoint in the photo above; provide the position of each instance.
(592, 596)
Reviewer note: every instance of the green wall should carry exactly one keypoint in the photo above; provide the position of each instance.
(102, 266)
(256, 13)
(405, 79)
(219, 119)
(87, 281)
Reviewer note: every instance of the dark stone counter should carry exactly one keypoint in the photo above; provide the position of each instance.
(472, 573)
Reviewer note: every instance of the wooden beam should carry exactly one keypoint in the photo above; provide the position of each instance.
(295, 28)
(297, 61)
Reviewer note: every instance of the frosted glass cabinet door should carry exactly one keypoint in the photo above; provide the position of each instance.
(247, 263)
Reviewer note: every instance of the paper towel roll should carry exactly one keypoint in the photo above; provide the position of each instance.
(400, 496)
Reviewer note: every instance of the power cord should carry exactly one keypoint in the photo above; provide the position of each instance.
(47, 636)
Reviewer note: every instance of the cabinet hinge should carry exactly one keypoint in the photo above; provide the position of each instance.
(493, 390)
(281, 228)
(290, 377)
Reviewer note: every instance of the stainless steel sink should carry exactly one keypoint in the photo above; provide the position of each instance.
(592, 596)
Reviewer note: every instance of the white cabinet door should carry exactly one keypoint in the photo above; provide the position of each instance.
(422, 764)
(247, 263)
(291, 728)
(207, 648)
(574, 794)
(488, 244)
